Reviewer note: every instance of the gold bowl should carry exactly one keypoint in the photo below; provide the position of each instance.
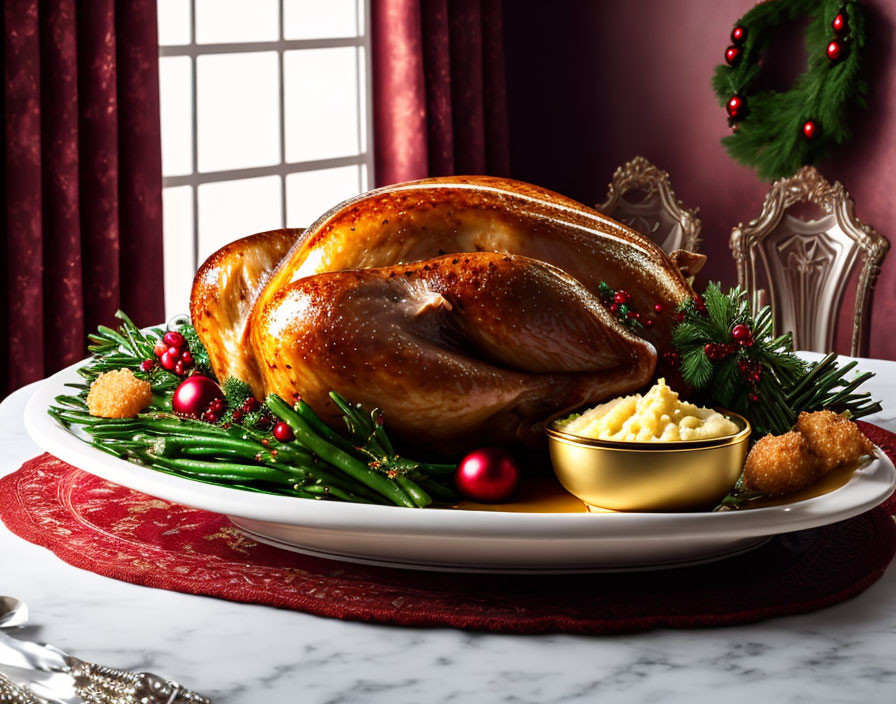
(649, 476)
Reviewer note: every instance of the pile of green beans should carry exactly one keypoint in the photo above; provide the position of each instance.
(319, 463)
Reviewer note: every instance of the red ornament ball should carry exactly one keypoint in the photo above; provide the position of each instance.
(834, 50)
(283, 432)
(810, 129)
(739, 34)
(489, 474)
(735, 106)
(195, 395)
(732, 54)
(839, 23)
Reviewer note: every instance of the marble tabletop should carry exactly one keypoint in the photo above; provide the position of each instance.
(245, 654)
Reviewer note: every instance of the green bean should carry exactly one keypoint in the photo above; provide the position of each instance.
(325, 431)
(335, 456)
(418, 495)
(226, 469)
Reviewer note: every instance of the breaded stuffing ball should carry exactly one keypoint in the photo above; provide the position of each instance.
(118, 394)
(781, 464)
(836, 440)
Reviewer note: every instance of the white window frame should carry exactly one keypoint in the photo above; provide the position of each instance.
(193, 50)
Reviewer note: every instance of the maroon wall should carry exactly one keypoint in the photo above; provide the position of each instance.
(593, 83)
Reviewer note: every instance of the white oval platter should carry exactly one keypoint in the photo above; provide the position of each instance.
(480, 541)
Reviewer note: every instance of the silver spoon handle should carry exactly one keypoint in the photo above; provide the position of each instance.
(107, 685)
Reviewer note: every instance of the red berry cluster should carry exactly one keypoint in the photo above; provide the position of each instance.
(215, 410)
(619, 305)
(172, 354)
(717, 352)
(700, 305)
(671, 358)
(249, 405)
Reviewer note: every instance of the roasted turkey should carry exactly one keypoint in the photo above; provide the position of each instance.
(465, 307)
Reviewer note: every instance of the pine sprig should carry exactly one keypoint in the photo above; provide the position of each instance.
(759, 376)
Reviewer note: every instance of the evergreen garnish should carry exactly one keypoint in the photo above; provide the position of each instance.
(732, 359)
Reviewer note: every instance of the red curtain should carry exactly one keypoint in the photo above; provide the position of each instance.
(440, 102)
(81, 177)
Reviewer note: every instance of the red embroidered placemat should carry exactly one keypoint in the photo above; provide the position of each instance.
(120, 533)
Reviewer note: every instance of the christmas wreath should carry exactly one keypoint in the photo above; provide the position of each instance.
(778, 132)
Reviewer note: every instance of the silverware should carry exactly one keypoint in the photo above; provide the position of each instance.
(13, 612)
(31, 673)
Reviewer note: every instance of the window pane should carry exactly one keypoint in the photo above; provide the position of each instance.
(239, 102)
(174, 22)
(313, 19)
(225, 21)
(229, 210)
(322, 119)
(309, 194)
(177, 225)
(176, 109)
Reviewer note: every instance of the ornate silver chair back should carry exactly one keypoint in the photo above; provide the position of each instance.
(805, 264)
(641, 196)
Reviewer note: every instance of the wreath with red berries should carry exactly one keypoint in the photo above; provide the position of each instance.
(778, 132)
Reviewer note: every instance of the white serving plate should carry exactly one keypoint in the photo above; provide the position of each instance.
(486, 541)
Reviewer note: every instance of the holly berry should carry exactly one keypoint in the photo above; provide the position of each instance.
(632, 314)
(187, 358)
(614, 307)
(622, 297)
(237, 415)
(732, 55)
(754, 397)
(736, 106)
(658, 307)
(648, 323)
(810, 129)
(741, 332)
(739, 34)
(174, 339)
(283, 432)
(839, 23)
(179, 368)
(679, 316)
(671, 358)
(168, 361)
(146, 365)
(834, 50)
(251, 404)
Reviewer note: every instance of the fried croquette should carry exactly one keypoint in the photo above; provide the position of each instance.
(781, 464)
(834, 439)
(118, 394)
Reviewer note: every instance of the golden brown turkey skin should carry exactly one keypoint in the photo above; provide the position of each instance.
(224, 291)
(457, 350)
(423, 219)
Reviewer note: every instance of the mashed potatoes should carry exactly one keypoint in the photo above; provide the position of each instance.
(657, 416)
